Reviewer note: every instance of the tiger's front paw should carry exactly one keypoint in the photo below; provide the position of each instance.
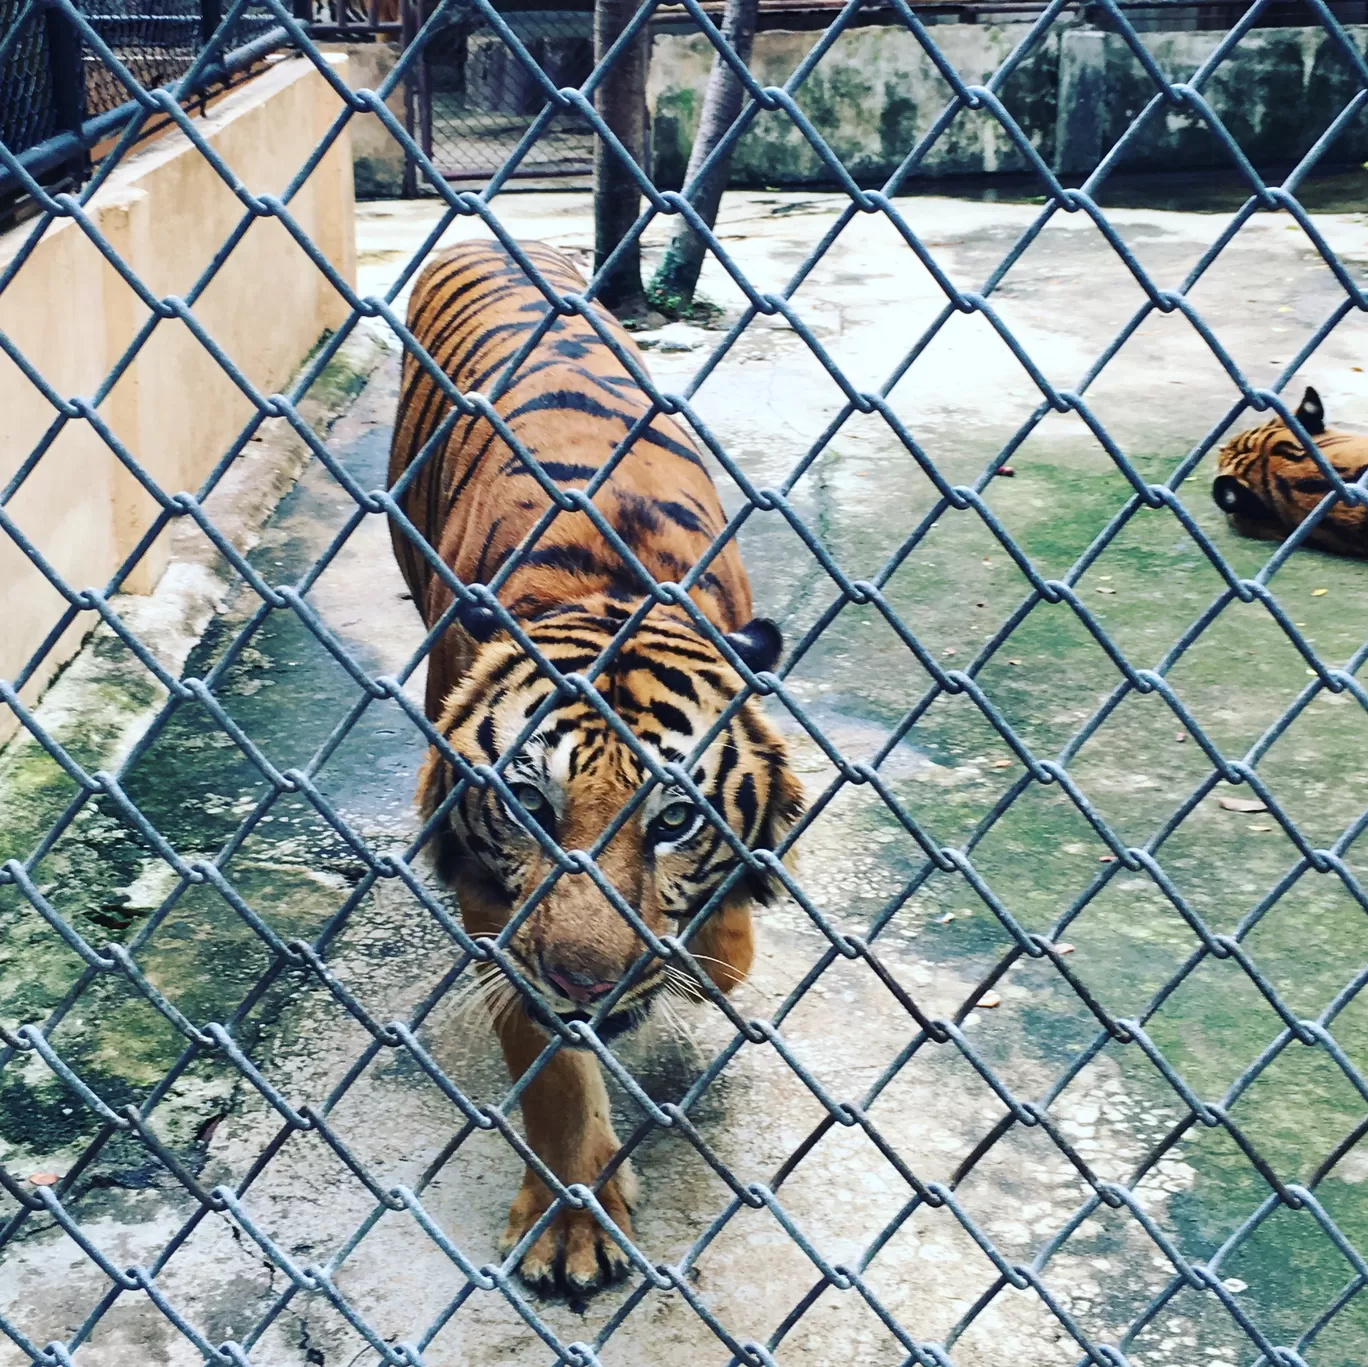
(574, 1253)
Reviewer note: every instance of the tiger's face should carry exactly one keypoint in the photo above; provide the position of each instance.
(569, 783)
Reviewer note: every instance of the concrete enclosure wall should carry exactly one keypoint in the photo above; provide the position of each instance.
(376, 157)
(876, 92)
(166, 212)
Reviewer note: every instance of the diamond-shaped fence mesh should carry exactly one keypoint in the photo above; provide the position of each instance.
(1199, 926)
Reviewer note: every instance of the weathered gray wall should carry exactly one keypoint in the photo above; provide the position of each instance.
(1276, 94)
(876, 92)
(870, 97)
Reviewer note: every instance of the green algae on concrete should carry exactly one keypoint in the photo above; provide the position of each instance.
(953, 590)
(100, 876)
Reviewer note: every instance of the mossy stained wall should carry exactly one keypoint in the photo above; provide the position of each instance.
(876, 93)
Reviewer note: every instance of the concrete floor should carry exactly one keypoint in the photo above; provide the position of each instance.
(769, 400)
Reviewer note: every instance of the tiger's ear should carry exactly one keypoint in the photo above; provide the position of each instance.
(759, 644)
(1311, 412)
(477, 621)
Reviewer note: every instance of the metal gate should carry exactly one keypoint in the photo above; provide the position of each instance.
(471, 101)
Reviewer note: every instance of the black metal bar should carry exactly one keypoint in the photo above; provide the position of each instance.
(409, 14)
(331, 32)
(425, 103)
(211, 15)
(67, 79)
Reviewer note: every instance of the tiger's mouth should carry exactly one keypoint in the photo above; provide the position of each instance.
(625, 1017)
(612, 1027)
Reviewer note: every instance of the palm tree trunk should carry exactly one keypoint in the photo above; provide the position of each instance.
(673, 288)
(621, 102)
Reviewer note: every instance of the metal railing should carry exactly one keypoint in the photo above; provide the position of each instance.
(1278, 1191)
(59, 99)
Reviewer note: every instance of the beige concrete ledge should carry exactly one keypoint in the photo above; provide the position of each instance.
(166, 212)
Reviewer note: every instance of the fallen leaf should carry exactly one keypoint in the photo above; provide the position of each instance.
(1261, 828)
(986, 561)
(1181, 737)
(990, 1000)
(1002, 764)
(1065, 948)
(1009, 472)
(1358, 369)
(44, 1179)
(945, 919)
(951, 651)
(1235, 1285)
(1013, 662)
(980, 605)
(1107, 859)
(1319, 593)
(1243, 804)
(1101, 589)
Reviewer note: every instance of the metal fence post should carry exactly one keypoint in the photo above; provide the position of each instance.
(211, 15)
(409, 18)
(67, 74)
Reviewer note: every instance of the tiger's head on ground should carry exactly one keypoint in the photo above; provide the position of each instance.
(1268, 484)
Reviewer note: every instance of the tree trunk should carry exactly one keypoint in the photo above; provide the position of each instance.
(621, 102)
(673, 288)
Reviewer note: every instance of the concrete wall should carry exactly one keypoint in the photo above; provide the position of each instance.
(376, 157)
(876, 92)
(166, 212)
(1276, 95)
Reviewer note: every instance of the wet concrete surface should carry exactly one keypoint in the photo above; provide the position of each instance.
(768, 401)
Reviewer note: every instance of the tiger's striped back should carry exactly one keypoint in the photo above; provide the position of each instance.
(570, 404)
(1268, 485)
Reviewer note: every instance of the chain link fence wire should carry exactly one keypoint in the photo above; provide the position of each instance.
(129, 1119)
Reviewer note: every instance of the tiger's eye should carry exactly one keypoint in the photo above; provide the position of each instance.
(675, 817)
(531, 799)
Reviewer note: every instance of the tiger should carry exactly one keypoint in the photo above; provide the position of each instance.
(570, 403)
(1268, 485)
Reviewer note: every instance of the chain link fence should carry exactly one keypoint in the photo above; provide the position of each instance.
(125, 1119)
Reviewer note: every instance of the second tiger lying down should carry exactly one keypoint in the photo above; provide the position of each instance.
(1268, 485)
(571, 404)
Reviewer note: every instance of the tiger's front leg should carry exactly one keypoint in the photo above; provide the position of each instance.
(567, 1121)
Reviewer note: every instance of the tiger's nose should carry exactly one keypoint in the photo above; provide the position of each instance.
(579, 987)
